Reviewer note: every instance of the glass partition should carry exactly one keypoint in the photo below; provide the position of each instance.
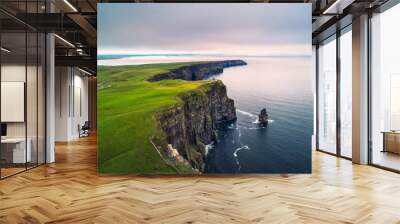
(327, 95)
(385, 89)
(346, 93)
(14, 153)
(22, 98)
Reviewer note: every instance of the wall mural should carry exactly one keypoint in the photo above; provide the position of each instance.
(204, 88)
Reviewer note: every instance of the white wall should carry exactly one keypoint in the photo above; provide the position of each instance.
(62, 83)
(17, 73)
(80, 110)
(71, 102)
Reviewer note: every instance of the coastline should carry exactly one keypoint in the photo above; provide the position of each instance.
(198, 94)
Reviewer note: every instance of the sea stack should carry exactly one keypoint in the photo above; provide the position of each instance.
(263, 117)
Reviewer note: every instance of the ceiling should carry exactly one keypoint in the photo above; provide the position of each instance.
(75, 21)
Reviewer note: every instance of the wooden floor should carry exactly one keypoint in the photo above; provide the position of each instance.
(8, 171)
(387, 159)
(70, 191)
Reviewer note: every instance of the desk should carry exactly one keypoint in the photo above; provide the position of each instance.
(391, 141)
(13, 150)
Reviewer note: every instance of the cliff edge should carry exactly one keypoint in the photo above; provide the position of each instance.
(191, 125)
(197, 71)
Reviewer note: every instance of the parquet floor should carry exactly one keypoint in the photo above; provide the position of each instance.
(70, 191)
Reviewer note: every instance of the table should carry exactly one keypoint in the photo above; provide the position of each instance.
(13, 150)
(391, 141)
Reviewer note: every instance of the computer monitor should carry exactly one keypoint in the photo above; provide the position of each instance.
(3, 129)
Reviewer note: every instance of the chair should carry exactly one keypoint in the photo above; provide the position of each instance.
(84, 130)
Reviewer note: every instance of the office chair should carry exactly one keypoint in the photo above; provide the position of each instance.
(84, 130)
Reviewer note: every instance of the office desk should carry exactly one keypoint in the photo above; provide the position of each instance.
(391, 141)
(13, 150)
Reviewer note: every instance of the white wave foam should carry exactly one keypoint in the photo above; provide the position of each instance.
(257, 128)
(208, 147)
(232, 126)
(240, 148)
(256, 121)
(235, 155)
(246, 113)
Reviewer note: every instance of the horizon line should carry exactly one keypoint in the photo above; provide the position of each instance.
(202, 54)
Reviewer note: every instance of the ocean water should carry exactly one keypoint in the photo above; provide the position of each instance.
(282, 85)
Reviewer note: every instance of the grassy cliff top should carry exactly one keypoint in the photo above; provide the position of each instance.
(126, 105)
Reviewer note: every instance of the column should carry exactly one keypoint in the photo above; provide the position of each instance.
(360, 90)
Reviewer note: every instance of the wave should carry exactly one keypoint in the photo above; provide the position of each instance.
(232, 126)
(252, 115)
(256, 128)
(240, 148)
(236, 156)
(269, 121)
(246, 113)
(209, 147)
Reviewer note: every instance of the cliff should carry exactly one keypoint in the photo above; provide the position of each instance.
(192, 124)
(198, 71)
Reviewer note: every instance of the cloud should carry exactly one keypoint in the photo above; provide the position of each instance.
(221, 28)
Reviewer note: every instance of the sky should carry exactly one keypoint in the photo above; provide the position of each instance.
(253, 29)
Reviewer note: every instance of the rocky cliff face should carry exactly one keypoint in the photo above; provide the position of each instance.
(198, 71)
(192, 124)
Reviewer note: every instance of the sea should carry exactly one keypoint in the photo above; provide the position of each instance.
(282, 85)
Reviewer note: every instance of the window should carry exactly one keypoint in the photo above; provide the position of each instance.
(346, 93)
(334, 106)
(394, 102)
(385, 89)
(327, 96)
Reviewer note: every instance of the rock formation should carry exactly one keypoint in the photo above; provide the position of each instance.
(263, 117)
(192, 125)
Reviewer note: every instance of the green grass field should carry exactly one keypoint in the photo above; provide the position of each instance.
(126, 106)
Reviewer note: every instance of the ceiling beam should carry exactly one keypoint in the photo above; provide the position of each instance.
(337, 7)
(79, 61)
(86, 27)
